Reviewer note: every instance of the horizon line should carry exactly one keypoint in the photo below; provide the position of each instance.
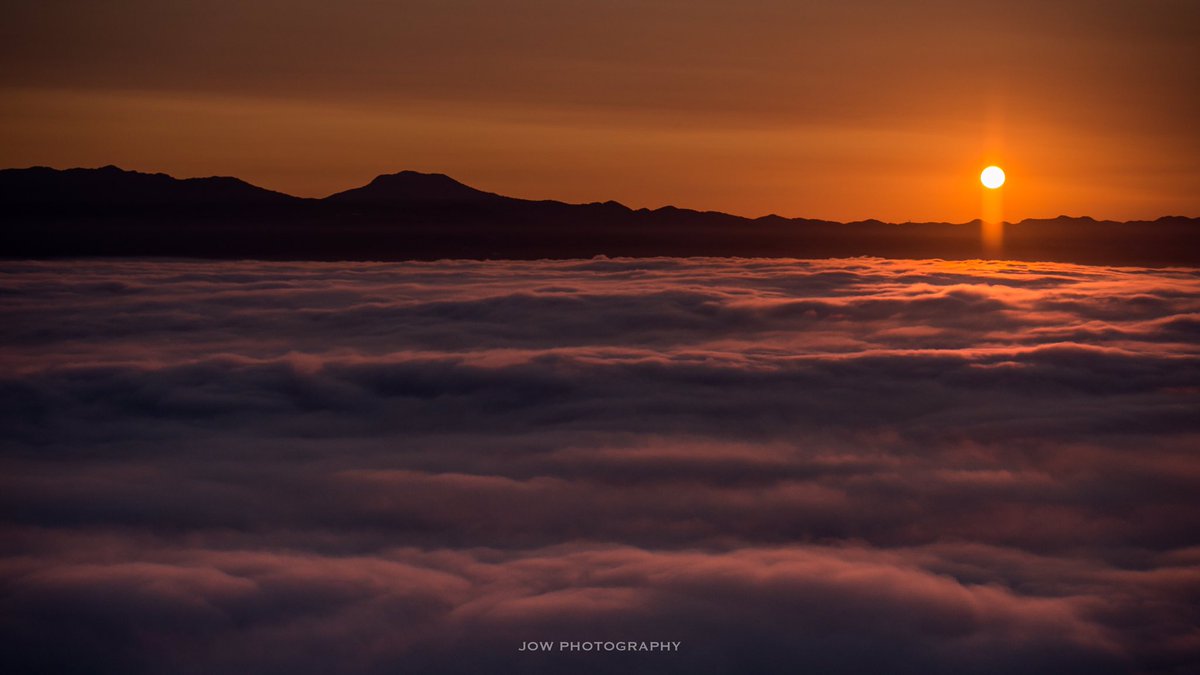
(668, 206)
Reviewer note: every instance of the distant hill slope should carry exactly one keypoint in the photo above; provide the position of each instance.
(109, 188)
(409, 215)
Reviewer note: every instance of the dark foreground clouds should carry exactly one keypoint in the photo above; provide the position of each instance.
(789, 466)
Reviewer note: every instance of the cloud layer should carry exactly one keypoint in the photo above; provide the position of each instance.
(826, 466)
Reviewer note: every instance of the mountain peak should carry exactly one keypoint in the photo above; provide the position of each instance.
(412, 186)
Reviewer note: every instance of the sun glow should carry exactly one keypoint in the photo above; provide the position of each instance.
(992, 177)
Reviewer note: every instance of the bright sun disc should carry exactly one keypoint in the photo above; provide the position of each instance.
(992, 177)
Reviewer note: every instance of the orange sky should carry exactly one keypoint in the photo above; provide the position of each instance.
(841, 110)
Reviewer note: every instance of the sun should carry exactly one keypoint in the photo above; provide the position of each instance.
(992, 177)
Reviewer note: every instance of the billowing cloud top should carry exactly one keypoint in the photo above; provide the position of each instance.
(802, 466)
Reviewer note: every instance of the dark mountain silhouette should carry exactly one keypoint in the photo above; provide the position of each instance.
(410, 215)
(412, 187)
(44, 190)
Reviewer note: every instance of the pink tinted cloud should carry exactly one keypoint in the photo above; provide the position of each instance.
(843, 464)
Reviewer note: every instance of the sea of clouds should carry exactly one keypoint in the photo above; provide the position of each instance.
(836, 466)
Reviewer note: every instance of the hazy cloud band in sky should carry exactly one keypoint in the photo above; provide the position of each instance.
(836, 466)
